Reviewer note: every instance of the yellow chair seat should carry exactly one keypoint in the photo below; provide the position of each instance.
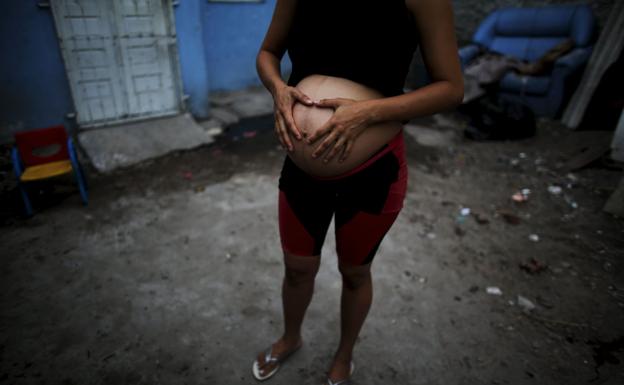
(47, 170)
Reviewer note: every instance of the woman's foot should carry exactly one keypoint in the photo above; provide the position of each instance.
(340, 371)
(279, 351)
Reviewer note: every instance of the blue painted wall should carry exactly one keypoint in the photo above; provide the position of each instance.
(191, 48)
(233, 33)
(34, 91)
(217, 44)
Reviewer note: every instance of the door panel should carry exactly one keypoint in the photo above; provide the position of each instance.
(120, 59)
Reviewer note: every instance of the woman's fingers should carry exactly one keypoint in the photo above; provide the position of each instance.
(325, 144)
(290, 123)
(346, 151)
(337, 147)
(331, 103)
(325, 128)
(303, 98)
(283, 134)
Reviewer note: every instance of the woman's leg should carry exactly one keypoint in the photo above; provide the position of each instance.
(356, 299)
(305, 210)
(358, 237)
(297, 290)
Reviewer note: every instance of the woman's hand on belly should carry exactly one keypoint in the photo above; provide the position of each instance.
(284, 99)
(339, 133)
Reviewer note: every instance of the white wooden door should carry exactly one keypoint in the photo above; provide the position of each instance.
(120, 57)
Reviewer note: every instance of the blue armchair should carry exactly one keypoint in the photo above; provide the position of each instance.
(527, 34)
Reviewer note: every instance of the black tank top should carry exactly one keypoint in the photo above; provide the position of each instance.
(368, 41)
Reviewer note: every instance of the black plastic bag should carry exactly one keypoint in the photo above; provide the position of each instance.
(493, 118)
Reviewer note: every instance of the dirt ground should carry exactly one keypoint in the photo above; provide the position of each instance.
(171, 274)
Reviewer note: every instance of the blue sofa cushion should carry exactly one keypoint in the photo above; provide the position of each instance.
(528, 33)
(519, 84)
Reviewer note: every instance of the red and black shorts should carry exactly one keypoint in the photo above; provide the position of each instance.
(365, 201)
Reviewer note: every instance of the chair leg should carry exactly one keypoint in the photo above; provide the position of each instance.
(80, 179)
(27, 205)
(82, 185)
(18, 169)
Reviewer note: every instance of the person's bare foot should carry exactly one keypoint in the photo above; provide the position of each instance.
(340, 370)
(280, 349)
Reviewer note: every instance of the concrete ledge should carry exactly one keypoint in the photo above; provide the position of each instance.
(123, 145)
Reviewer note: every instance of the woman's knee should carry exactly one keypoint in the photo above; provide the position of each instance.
(354, 277)
(300, 270)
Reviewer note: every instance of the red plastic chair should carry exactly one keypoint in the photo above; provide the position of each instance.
(42, 154)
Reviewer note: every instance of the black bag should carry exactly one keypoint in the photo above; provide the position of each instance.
(493, 118)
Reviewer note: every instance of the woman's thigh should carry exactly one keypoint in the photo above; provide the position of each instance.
(367, 206)
(305, 209)
(358, 237)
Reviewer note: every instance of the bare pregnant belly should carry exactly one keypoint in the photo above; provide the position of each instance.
(311, 119)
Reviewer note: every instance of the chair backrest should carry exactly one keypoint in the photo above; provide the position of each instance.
(42, 145)
(528, 33)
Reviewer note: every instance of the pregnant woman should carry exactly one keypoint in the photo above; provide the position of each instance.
(340, 118)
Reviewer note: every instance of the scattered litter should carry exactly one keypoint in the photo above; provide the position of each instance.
(570, 201)
(555, 190)
(533, 266)
(214, 131)
(544, 302)
(509, 217)
(228, 256)
(422, 279)
(522, 195)
(525, 303)
(493, 290)
(522, 155)
(187, 175)
(514, 161)
(463, 213)
(481, 219)
(199, 189)
(249, 134)
(534, 237)
(431, 235)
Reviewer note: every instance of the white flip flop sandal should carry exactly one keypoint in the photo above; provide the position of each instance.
(345, 381)
(268, 358)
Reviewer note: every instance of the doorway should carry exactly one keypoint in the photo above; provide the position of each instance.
(121, 59)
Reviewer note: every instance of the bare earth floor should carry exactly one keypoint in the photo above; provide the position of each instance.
(172, 274)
